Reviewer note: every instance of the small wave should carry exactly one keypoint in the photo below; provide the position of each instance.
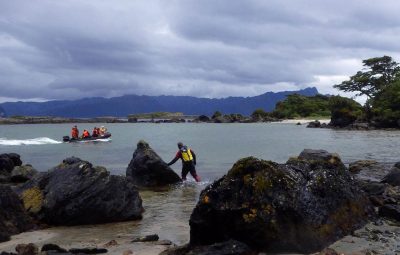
(33, 141)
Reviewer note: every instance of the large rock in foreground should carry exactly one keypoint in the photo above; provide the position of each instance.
(75, 193)
(301, 206)
(147, 169)
(13, 218)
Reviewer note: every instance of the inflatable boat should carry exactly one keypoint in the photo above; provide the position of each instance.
(67, 139)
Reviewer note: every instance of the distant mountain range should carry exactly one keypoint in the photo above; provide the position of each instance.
(130, 104)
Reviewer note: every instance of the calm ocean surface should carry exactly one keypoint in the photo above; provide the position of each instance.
(217, 147)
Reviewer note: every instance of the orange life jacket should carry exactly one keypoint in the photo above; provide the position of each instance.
(85, 134)
(74, 132)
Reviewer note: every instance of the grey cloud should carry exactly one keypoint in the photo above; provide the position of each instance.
(72, 49)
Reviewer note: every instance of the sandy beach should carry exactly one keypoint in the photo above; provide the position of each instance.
(302, 121)
(86, 237)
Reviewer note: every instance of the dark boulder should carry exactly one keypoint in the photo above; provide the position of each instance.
(230, 247)
(53, 247)
(148, 238)
(147, 169)
(88, 250)
(372, 188)
(314, 124)
(75, 193)
(23, 173)
(301, 206)
(202, 118)
(393, 177)
(7, 163)
(27, 249)
(13, 218)
(16, 159)
(390, 211)
(322, 158)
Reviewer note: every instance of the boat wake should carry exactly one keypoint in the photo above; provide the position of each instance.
(96, 141)
(33, 141)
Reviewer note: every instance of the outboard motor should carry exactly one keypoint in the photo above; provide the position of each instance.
(66, 138)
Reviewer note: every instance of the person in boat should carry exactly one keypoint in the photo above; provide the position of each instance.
(75, 132)
(188, 158)
(102, 130)
(85, 134)
(95, 132)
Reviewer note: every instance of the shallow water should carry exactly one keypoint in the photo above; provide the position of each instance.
(217, 147)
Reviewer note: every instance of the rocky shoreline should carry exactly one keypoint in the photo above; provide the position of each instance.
(306, 205)
(232, 118)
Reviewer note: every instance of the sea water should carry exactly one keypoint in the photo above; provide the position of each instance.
(217, 147)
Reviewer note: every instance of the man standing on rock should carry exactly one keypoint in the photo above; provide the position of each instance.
(188, 161)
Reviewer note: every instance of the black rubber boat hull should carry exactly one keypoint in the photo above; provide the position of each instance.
(67, 139)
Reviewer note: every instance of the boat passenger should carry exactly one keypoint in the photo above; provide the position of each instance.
(75, 132)
(95, 132)
(103, 130)
(85, 134)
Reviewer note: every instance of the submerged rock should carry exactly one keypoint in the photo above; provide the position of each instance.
(75, 193)
(13, 218)
(301, 206)
(362, 165)
(147, 169)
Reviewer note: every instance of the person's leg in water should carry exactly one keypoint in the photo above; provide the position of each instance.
(193, 173)
(185, 171)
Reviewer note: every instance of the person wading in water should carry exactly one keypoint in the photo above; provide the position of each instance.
(188, 161)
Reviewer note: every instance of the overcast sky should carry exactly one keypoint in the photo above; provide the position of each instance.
(207, 48)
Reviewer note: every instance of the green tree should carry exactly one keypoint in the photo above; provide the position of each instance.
(344, 111)
(259, 114)
(377, 75)
(216, 115)
(386, 106)
(296, 105)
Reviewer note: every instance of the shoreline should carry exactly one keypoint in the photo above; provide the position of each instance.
(26, 120)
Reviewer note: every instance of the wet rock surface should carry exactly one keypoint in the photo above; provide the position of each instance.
(393, 177)
(75, 193)
(385, 194)
(301, 206)
(22, 173)
(13, 218)
(147, 169)
(360, 165)
(230, 247)
(148, 238)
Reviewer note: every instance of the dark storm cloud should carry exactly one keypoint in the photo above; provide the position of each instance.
(73, 49)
